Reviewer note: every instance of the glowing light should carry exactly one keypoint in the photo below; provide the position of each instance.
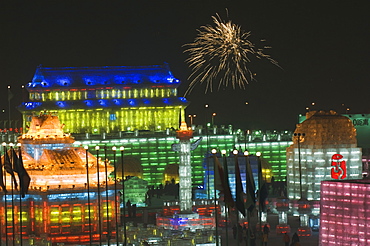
(222, 52)
(223, 152)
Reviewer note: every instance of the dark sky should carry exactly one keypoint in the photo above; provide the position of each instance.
(322, 46)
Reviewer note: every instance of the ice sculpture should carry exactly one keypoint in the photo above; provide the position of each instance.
(186, 218)
(65, 203)
(317, 142)
(52, 161)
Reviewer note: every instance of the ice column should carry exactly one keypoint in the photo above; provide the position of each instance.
(185, 176)
(185, 191)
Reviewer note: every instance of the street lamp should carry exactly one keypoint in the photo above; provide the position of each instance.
(214, 152)
(239, 191)
(5, 200)
(88, 190)
(98, 189)
(260, 200)
(191, 118)
(304, 207)
(206, 107)
(123, 195)
(114, 149)
(250, 192)
(299, 135)
(213, 118)
(246, 134)
(107, 194)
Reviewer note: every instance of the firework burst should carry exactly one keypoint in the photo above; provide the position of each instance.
(222, 53)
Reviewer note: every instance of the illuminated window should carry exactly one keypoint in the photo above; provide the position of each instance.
(112, 116)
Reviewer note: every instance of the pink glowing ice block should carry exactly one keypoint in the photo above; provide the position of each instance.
(345, 212)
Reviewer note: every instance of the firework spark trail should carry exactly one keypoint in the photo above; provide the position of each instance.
(221, 52)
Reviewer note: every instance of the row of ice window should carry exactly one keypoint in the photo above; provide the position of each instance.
(102, 94)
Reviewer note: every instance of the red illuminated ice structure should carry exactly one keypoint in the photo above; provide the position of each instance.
(183, 215)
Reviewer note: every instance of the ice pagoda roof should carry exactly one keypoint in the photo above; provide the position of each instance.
(114, 76)
(64, 158)
(45, 128)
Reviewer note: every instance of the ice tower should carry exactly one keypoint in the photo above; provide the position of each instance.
(188, 217)
(324, 148)
(184, 147)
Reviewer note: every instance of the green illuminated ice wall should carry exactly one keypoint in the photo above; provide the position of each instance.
(154, 152)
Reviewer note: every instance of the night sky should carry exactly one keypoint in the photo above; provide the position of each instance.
(322, 47)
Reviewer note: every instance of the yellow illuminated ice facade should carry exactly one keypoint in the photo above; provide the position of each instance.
(321, 135)
(107, 99)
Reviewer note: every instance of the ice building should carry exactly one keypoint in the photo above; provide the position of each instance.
(106, 99)
(361, 122)
(70, 198)
(324, 148)
(345, 212)
(137, 107)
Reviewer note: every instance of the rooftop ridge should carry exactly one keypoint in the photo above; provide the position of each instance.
(97, 67)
